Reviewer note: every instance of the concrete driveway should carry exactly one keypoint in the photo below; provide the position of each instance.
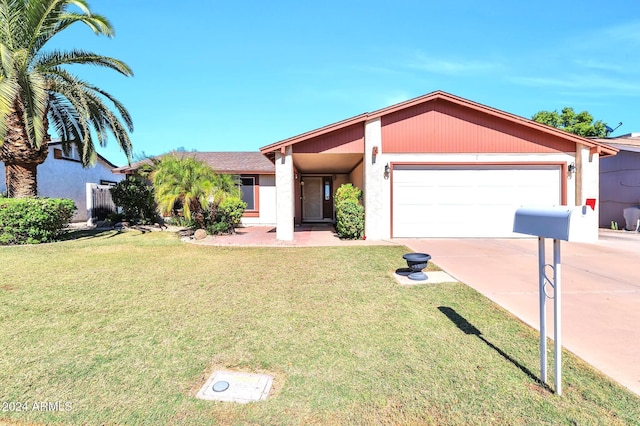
(600, 297)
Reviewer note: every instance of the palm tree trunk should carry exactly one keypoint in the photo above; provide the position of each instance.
(21, 159)
(21, 179)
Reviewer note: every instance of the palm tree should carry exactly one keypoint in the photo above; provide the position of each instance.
(183, 180)
(36, 90)
(192, 183)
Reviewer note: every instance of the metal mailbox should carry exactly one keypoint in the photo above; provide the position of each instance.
(560, 223)
(557, 222)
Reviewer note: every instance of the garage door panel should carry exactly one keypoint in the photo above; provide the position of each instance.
(478, 201)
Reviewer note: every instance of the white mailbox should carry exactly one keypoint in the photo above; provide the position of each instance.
(560, 223)
(557, 222)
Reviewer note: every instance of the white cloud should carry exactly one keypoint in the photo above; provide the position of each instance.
(452, 66)
(395, 98)
(602, 65)
(592, 82)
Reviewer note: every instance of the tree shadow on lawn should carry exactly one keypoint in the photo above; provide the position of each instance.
(80, 234)
(468, 328)
(89, 233)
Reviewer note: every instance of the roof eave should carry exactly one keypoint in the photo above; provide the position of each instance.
(313, 133)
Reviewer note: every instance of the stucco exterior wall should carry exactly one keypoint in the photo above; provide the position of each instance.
(63, 178)
(376, 187)
(356, 177)
(267, 203)
(285, 208)
(619, 186)
(587, 179)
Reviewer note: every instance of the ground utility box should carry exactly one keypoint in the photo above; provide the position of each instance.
(557, 222)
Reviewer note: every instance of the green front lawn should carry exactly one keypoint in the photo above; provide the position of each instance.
(124, 328)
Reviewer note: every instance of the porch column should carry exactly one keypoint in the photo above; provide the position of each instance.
(588, 182)
(376, 187)
(284, 194)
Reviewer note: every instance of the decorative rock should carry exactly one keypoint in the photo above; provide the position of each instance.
(200, 234)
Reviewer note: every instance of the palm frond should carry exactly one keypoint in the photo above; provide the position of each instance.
(51, 60)
(9, 88)
(46, 18)
(92, 112)
(33, 96)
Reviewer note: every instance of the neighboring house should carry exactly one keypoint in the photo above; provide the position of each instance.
(434, 166)
(619, 179)
(62, 176)
(256, 173)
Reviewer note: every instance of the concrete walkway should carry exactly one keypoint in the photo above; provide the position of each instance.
(307, 235)
(600, 297)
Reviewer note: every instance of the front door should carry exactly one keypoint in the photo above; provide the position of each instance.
(312, 199)
(317, 199)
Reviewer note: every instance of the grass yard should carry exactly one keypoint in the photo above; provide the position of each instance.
(124, 328)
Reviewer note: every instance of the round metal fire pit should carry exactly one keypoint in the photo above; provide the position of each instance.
(417, 262)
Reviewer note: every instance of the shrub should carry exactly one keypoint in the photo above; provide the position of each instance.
(33, 220)
(349, 212)
(226, 216)
(135, 196)
(115, 217)
(347, 192)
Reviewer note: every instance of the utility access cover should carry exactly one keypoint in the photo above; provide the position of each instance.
(233, 386)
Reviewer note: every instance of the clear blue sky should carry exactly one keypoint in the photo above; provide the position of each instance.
(235, 76)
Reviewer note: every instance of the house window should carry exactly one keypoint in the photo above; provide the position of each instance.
(248, 188)
(59, 154)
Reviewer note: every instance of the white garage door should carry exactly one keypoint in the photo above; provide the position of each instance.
(468, 201)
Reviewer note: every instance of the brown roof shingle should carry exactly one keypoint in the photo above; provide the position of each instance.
(222, 162)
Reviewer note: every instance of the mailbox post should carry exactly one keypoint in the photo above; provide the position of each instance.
(560, 223)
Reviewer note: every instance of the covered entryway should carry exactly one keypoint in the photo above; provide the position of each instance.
(469, 200)
(317, 198)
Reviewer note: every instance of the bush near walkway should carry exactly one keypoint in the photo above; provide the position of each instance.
(349, 212)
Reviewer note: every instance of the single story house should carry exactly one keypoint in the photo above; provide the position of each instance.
(257, 175)
(620, 179)
(435, 166)
(62, 176)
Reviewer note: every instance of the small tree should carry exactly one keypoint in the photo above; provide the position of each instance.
(580, 124)
(196, 187)
(349, 212)
(135, 196)
(186, 181)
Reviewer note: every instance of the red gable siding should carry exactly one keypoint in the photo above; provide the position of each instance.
(445, 127)
(348, 140)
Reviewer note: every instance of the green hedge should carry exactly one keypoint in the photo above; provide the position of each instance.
(349, 212)
(33, 220)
